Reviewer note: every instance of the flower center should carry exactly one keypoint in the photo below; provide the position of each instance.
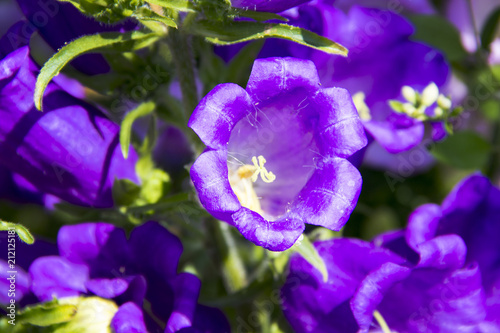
(242, 182)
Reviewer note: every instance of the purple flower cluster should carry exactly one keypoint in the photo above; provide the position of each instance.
(440, 274)
(137, 273)
(382, 60)
(280, 154)
(71, 150)
(277, 153)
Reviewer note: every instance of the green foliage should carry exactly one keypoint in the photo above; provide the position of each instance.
(125, 192)
(311, 255)
(93, 314)
(107, 11)
(243, 31)
(179, 5)
(142, 110)
(20, 230)
(47, 314)
(463, 150)
(259, 16)
(145, 14)
(490, 29)
(103, 42)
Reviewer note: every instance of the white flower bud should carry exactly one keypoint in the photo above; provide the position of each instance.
(430, 94)
(444, 102)
(409, 94)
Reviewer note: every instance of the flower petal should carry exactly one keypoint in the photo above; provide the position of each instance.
(330, 195)
(107, 288)
(128, 319)
(209, 174)
(161, 248)
(218, 112)
(272, 76)
(186, 290)
(57, 277)
(210, 320)
(422, 224)
(446, 251)
(372, 289)
(99, 245)
(276, 235)
(393, 137)
(340, 131)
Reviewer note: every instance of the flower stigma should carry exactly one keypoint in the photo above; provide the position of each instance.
(241, 182)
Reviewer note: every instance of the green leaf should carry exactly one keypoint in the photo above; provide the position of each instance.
(47, 314)
(156, 186)
(260, 16)
(439, 33)
(463, 150)
(490, 29)
(491, 109)
(125, 192)
(396, 105)
(145, 14)
(151, 137)
(94, 314)
(142, 110)
(311, 255)
(243, 31)
(20, 230)
(103, 42)
(179, 5)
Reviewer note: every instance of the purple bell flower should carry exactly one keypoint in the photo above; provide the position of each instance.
(472, 212)
(277, 152)
(274, 6)
(70, 150)
(382, 60)
(366, 282)
(97, 259)
(440, 274)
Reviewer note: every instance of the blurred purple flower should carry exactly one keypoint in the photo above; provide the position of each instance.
(277, 152)
(471, 211)
(97, 259)
(382, 60)
(405, 6)
(70, 150)
(173, 150)
(274, 6)
(25, 255)
(459, 13)
(11, 190)
(431, 294)
(440, 274)
(60, 23)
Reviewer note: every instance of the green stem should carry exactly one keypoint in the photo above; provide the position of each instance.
(184, 64)
(233, 269)
(474, 25)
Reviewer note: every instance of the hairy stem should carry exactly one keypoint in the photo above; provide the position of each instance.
(233, 269)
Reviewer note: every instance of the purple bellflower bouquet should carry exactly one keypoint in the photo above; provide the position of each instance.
(263, 166)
